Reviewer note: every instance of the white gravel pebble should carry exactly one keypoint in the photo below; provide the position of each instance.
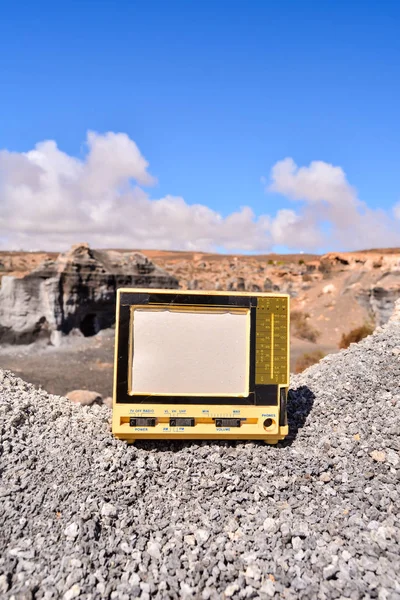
(231, 590)
(71, 530)
(72, 592)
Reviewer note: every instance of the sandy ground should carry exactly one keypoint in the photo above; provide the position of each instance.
(79, 363)
(87, 363)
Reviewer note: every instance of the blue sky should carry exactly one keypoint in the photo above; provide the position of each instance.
(214, 93)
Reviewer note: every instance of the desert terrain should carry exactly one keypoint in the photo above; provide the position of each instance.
(331, 295)
(88, 516)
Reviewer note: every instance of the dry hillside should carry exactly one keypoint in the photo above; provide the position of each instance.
(330, 296)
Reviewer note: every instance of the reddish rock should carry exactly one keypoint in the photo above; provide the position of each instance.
(85, 397)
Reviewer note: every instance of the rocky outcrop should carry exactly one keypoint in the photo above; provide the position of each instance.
(380, 297)
(373, 277)
(339, 290)
(74, 292)
(395, 316)
(382, 302)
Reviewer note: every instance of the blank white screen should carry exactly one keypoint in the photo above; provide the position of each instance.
(180, 352)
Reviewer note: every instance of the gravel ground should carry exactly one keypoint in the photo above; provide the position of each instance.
(85, 516)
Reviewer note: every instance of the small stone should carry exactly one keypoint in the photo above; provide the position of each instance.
(75, 563)
(72, 530)
(153, 548)
(285, 529)
(134, 580)
(253, 572)
(109, 510)
(378, 455)
(231, 589)
(328, 289)
(190, 540)
(201, 535)
(393, 457)
(101, 588)
(325, 477)
(297, 543)
(269, 525)
(126, 547)
(330, 571)
(3, 583)
(268, 588)
(249, 591)
(84, 397)
(73, 592)
(186, 590)
(346, 555)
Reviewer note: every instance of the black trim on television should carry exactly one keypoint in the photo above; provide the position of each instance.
(260, 395)
(129, 298)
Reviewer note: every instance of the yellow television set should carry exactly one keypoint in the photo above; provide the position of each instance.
(200, 365)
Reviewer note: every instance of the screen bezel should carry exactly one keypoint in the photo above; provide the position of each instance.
(259, 395)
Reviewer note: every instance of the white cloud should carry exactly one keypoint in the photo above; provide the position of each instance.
(328, 199)
(320, 182)
(50, 200)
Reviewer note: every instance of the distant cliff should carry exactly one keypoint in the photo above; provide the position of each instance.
(335, 292)
(74, 291)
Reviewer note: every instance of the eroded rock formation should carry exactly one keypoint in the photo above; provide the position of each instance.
(339, 291)
(73, 292)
